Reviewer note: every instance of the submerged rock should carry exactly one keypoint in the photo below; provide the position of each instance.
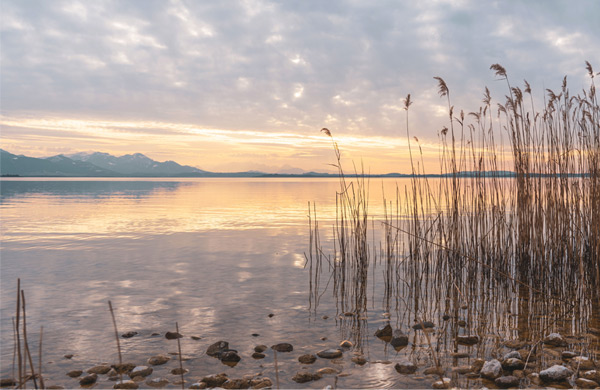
(555, 373)
(305, 376)
(179, 371)
(260, 348)
(260, 383)
(129, 334)
(158, 360)
(384, 331)
(462, 369)
(505, 382)
(68, 356)
(491, 369)
(593, 375)
(327, 371)
(427, 324)
(555, 340)
(329, 354)
(7, 382)
(406, 367)
(399, 339)
(307, 359)
(360, 360)
(283, 347)
(198, 385)
(477, 365)
(157, 382)
(439, 371)
(173, 335)
(123, 368)
(582, 363)
(216, 349)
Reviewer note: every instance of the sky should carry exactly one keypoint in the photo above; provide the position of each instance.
(247, 85)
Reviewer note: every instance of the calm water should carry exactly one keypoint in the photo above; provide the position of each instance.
(215, 255)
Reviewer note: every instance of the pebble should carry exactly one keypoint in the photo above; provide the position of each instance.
(125, 384)
(283, 347)
(405, 367)
(88, 379)
(216, 349)
(346, 344)
(384, 331)
(68, 356)
(261, 383)
(173, 335)
(491, 369)
(439, 371)
(593, 375)
(230, 357)
(271, 315)
(307, 359)
(555, 373)
(555, 339)
(582, 363)
(142, 371)
(236, 384)
(360, 360)
(399, 339)
(129, 334)
(512, 364)
(329, 354)
(195, 337)
(215, 380)
(100, 370)
(305, 376)
(258, 355)
(462, 369)
(198, 385)
(123, 368)
(512, 354)
(260, 348)
(477, 365)
(505, 382)
(327, 371)
(179, 371)
(8, 382)
(158, 360)
(443, 384)
(74, 373)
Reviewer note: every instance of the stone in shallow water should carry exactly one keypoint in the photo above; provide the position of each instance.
(100, 369)
(555, 339)
(261, 383)
(505, 382)
(586, 383)
(582, 363)
(327, 371)
(512, 364)
(142, 371)
(568, 354)
(329, 353)
(88, 379)
(593, 375)
(122, 368)
(158, 360)
(283, 347)
(198, 385)
(467, 340)
(477, 365)
(215, 380)
(443, 384)
(427, 324)
(236, 384)
(74, 373)
(179, 371)
(462, 369)
(260, 348)
(346, 344)
(230, 357)
(555, 373)
(491, 369)
(439, 371)
(129, 334)
(157, 382)
(307, 359)
(384, 331)
(173, 335)
(406, 367)
(9, 382)
(258, 355)
(512, 354)
(399, 339)
(305, 376)
(360, 360)
(216, 349)
(125, 384)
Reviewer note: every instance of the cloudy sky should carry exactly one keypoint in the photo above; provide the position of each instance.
(239, 85)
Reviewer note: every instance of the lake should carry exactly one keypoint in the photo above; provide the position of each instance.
(224, 258)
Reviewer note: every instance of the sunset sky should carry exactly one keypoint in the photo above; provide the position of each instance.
(247, 85)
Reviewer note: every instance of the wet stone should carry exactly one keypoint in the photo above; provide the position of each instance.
(515, 344)
(123, 368)
(173, 335)
(445, 317)
(68, 356)
(260, 348)
(505, 382)
(125, 384)
(327, 371)
(54, 387)
(405, 367)
(384, 331)
(215, 380)
(427, 324)
(230, 356)
(593, 375)
(305, 376)
(142, 371)
(582, 363)
(258, 355)
(462, 369)
(360, 360)
(236, 384)
(467, 340)
(198, 385)
(569, 354)
(491, 369)
(261, 383)
(283, 347)
(329, 354)
(88, 379)
(307, 359)
(512, 354)
(158, 360)
(555, 340)
(129, 334)
(445, 383)
(460, 355)
(586, 383)
(399, 339)
(100, 369)
(346, 344)
(512, 364)
(555, 373)
(74, 373)
(195, 337)
(179, 371)
(439, 371)
(217, 348)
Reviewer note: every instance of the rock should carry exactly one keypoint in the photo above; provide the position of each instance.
(443, 384)
(586, 383)
(461, 369)
(427, 324)
(283, 347)
(173, 335)
(236, 384)
(467, 340)
(260, 348)
(348, 314)
(100, 369)
(155, 334)
(555, 373)
(515, 344)
(129, 334)
(512, 364)
(74, 373)
(462, 323)
(261, 383)
(582, 363)
(158, 360)
(439, 371)
(271, 315)
(88, 379)
(535, 378)
(406, 367)
(122, 368)
(307, 359)
(346, 344)
(258, 355)
(491, 369)
(198, 385)
(142, 371)
(329, 354)
(125, 384)
(569, 354)
(555, 340)
(179, 371)
(325, 317)
(460, 355)
(477, 365)
(305, 376)
(593, 375)
(195, 337)
(399, 339)
(360, 360)
(230, 357)
(216, 349)
(384, 331)
(215, 380)
(327, 371)
(512, 354)
(68, 356)
(157, 382)
(10, 382)
(445, 317)
(505, 382)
